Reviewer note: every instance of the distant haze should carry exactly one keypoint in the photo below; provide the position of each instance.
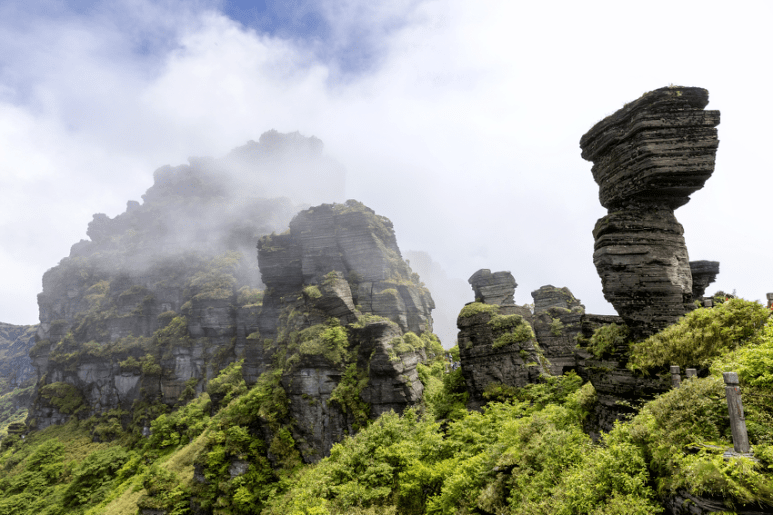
(459, 121)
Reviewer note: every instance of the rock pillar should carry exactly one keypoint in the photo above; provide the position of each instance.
(648, 157)
(676, 379)
(735, 410)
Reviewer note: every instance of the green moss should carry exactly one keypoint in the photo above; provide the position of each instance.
(509, 330)
(475, 308)
(312, 292)
(369, 318)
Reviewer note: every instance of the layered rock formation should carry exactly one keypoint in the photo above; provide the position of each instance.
(164, 295)
(339, 271)
(557, 321)
(703, 274)
(619, 391)
(497, 344)
(648, 158)
(497, 288)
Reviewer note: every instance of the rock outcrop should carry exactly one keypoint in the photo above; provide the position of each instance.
(341, 304)
(163, 296)
(17, 376)
(557, 322)
(497, 344)
(497, 288)
(619, 391)
(16, 368)
(703, 274)
(648, 158)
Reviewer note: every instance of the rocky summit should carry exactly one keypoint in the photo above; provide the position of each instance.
(160, 298)
(648, 157)
(145, 315)
(342, 313)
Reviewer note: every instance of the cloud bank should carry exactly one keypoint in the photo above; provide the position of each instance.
(459, 121)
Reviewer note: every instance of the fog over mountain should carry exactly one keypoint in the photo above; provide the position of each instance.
(459, 122)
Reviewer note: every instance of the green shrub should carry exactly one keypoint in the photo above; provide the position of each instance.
(347, 395)
(93, 476)
(229, 383)
(66, 398)
(556, 327)
(510, 329)
(312, 292)
(248, 296)
(701, 336)
(606, 339)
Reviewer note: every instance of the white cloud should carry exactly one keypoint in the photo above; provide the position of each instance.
(465, 132)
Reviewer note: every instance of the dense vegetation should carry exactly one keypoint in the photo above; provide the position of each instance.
(526, 453)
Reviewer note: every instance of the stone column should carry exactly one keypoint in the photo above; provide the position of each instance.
(676, 380)
(648, 158)
(691, 372)
(735, 410)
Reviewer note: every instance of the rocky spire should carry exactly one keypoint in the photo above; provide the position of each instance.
(648, 157)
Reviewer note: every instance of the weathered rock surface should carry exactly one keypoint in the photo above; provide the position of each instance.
(166, 294)
(497, 344)
(556, 322)
(497, 288)
(648, 158)
(659, 148)
(339, 266)
(703, 274)
(642, 259)
(16, 368)
(484, 363)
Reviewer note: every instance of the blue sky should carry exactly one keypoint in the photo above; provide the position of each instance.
(460, 121)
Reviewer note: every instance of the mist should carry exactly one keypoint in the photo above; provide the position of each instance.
(459, 122)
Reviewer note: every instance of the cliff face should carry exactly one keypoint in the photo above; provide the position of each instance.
(164, 295)
(342, 310)
(16, 368)
(648, 157)
(17, 375)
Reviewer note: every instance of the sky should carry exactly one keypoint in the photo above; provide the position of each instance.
(460, 121)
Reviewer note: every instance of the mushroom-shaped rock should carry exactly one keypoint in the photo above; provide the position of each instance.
(648, 157)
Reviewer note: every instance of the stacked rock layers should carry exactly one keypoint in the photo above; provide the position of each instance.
(703, 274)
(648, 158)
(340, 262)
